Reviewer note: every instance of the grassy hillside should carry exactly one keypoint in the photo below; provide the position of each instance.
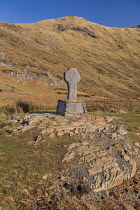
(34, 56)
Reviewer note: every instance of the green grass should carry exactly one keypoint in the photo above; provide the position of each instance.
(3, 116)
(23, 164)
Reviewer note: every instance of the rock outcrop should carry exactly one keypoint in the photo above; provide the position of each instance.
(101, 157)
(102, 165)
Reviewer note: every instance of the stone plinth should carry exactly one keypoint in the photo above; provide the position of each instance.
(70, 108)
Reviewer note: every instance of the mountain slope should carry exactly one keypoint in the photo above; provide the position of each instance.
(107, 59)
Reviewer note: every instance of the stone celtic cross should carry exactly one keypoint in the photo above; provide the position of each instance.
(72, 77)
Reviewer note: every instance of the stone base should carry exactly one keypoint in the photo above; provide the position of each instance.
(70, 108)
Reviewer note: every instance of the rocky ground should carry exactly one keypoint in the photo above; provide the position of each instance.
(99, 168)
(123, 197)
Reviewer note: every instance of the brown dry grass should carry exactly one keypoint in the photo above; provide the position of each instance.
(107, 58)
